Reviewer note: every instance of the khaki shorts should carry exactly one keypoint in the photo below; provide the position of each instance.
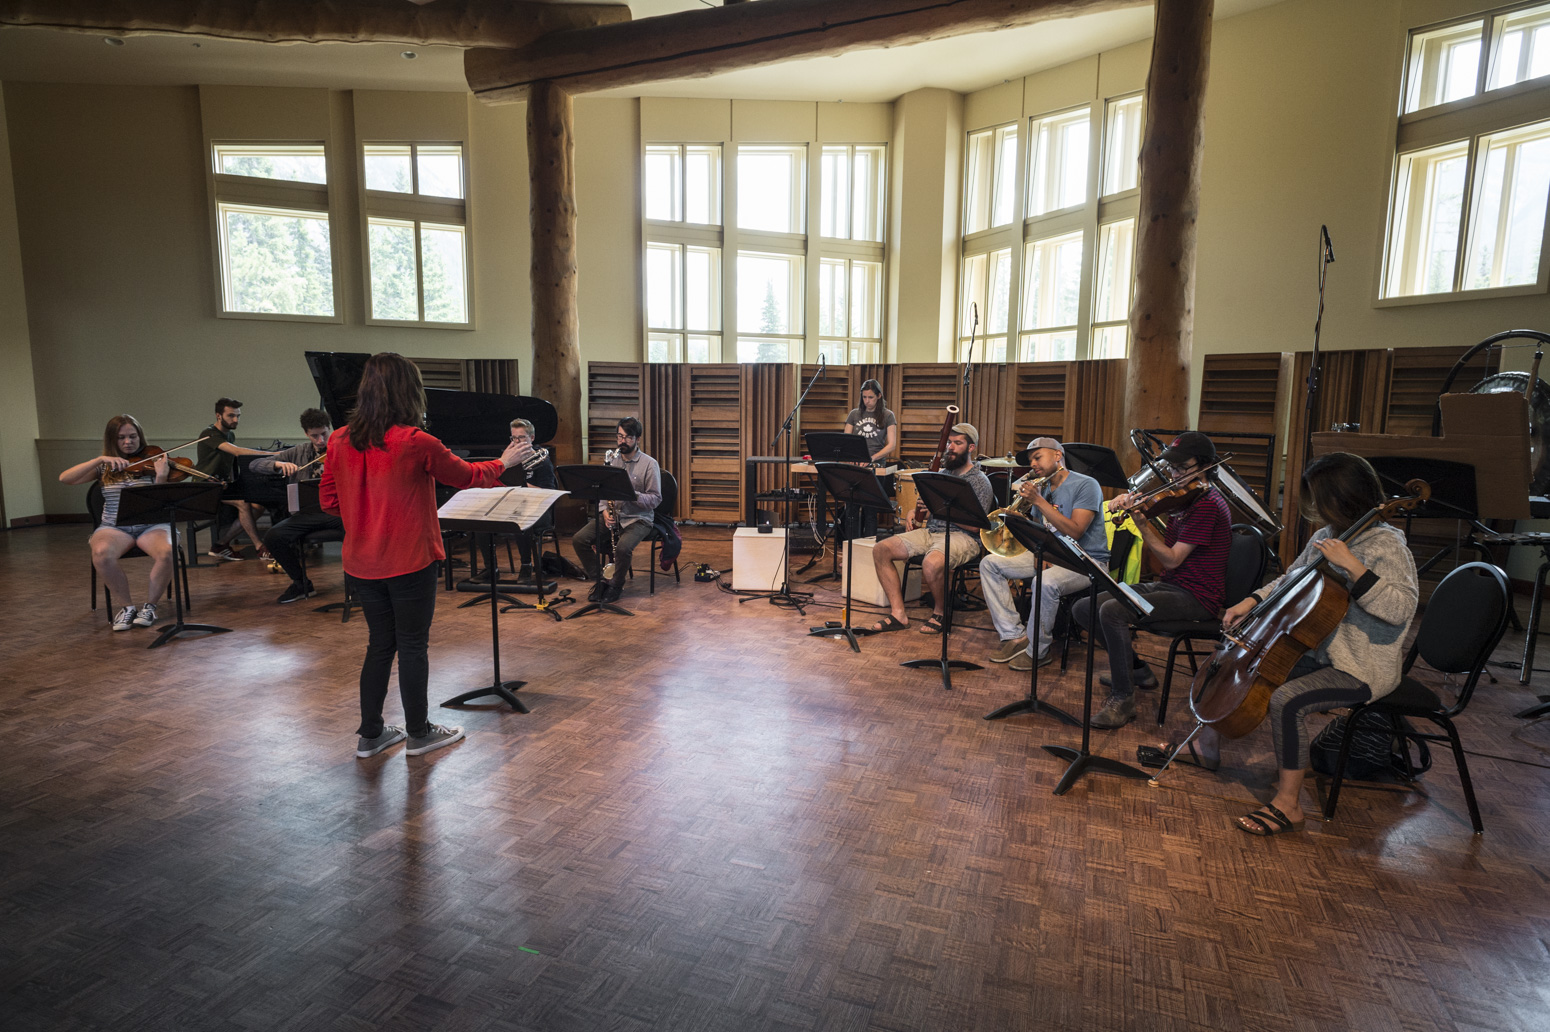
(966, 546)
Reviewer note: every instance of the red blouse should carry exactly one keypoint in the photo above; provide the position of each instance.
(387, 498)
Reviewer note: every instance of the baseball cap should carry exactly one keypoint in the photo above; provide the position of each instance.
(1046, 442)
(1191, 444)
(967, 430)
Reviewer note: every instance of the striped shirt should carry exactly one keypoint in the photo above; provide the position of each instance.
(1208, 526)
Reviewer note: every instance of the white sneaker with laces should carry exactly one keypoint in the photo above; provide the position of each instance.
(146, 616)
(125, 619)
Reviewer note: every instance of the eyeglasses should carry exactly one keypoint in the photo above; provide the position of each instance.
(621, 435)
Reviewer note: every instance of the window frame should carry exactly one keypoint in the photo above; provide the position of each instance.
(281, 196)
(421, 210)
(1489, 112)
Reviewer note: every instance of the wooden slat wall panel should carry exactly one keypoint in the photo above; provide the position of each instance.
(770, 391)
(666, 420)
(492, 375)
(988, 405)
(1247, 394)
(925, 391)
(442, 373)
(1416, 382)
(1095, 405)
(830, 400)
(713, 400)
(614, 390)
(1039, 401)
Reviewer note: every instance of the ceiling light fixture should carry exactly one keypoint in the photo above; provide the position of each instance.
(409, 55)
(112, 41)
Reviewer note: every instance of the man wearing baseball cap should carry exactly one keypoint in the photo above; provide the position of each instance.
(930, 540)
(1069, 502)
(1192, 553)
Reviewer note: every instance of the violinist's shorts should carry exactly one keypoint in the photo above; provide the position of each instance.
(920, 541)
(134, 530)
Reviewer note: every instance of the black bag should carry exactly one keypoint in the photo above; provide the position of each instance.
(1375, 751)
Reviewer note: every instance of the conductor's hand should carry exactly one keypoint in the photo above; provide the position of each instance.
(288, 468)
(1235, 613)
(515, 453)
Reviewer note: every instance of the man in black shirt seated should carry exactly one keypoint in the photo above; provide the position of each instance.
(300, 463)
(217, 456)
(530, 473)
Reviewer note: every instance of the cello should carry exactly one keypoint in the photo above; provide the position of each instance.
(1231, 693)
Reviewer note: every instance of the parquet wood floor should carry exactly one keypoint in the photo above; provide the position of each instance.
(709, 821)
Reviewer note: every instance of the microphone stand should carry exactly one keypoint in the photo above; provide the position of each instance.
(785, 596)
(1326, 259)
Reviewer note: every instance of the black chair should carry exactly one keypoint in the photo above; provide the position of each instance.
(94, 503)
(665, 507)
(1247, 561)
(1463, 623)
(319, 537)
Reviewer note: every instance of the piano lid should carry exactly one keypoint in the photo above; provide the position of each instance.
(469, 422)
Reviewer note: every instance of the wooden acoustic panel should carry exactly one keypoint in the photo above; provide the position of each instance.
(614, 390)
(1039, 400)
(1246, 394)
(666, 421)
(713, 403)
(926, 390)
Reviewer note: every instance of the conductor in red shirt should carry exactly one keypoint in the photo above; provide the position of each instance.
(380, 477)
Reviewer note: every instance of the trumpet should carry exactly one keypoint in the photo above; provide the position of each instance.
(996, 538)
(534, 459)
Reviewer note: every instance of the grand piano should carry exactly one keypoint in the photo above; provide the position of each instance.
(474, 424)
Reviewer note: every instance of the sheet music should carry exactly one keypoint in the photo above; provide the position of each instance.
(520, 505)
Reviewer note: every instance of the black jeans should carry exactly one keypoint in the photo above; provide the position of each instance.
(398, 618)
(630, 535)
(1170, 604)
(284, 538)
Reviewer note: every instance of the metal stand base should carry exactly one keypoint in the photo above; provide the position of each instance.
(501, 689)
(836, 632)
(600, 607)
(172, 630)
(947, 665)
(1013, 709)
(1082, 762)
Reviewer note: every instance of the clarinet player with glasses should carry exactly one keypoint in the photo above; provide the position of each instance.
(627, 524)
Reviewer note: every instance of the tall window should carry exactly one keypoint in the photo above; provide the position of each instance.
(785, 288)
(1037, 291)
(682, 203)
(416, 233)
(1467, 204)
(276, 248)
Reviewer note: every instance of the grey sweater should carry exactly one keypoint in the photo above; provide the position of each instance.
(1369, 644)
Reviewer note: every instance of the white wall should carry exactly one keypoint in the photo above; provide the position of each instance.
(19, 478)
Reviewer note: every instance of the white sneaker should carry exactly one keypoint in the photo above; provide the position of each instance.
(125, 619)
(147, 616)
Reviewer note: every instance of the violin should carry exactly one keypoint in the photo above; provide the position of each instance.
(1232, 692)
(178, 468)
(1170, 497)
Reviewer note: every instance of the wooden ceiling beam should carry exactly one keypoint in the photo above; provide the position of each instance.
(699, 43)
(459, 23)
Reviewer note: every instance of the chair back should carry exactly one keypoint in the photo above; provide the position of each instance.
(669, 503)
(95, 502)
(1247, 560)
(1119, 552)
(1463, 623)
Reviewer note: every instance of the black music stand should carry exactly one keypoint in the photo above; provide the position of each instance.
(597, 484)
(948, 498)
(836, 446)
(853, 486)
(504, 690)
(1038, 539)
(1071, 557)
(1098, 462)
(168, 503)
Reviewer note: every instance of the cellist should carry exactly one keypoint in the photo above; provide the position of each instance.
(123, 447)
(1363, 659)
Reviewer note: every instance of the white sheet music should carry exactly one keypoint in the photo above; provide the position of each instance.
(520, 505)
(1138, 599)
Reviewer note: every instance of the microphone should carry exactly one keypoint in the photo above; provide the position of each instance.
(823, 364)
(1329, 247)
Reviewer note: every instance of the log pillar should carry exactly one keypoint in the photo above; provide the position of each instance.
(551, 162)
(1163, 316)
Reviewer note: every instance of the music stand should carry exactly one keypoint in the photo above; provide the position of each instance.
(836, 446)
(597, 484)
(857, 486)
(1071, 557)
(1038, 539)
(168, 503)
(490, 527)
(948, 498)
(1098, 462)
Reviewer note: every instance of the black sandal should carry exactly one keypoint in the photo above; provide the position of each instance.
(1269, 821)
(886, 624)
(932, 626)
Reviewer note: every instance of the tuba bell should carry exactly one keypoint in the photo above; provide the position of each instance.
(996, 538)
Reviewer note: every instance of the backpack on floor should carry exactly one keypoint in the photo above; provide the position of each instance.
(1376, 752)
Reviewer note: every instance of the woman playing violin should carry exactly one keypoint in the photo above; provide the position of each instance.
(126, 459)
(1362, 660)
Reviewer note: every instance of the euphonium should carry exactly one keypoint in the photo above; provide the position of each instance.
(534, 459)
(996, 538)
